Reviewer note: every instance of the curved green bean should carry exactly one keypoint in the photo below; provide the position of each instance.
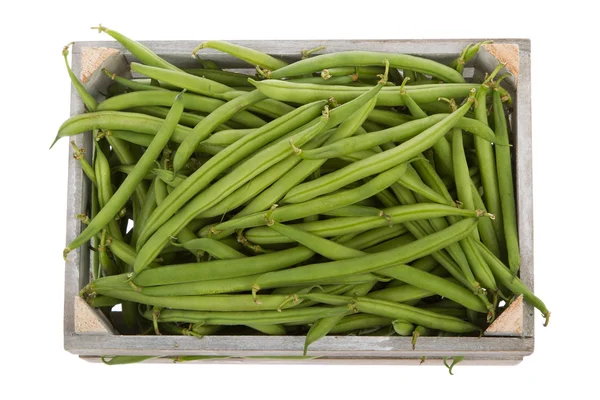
(251, 56)
(141, 52)
(367, 58)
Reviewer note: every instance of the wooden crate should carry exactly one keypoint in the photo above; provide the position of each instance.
(88, 334)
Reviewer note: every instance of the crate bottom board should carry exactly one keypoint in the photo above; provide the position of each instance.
(338, 349)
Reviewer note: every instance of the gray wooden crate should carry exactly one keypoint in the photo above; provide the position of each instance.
(89, 335)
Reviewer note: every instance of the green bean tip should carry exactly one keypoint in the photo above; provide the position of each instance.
(100, 28)
(197, 49)
(255, 289)
(65, 51)
(66, 252)
(297, 150)
(325, 74)
(547, 317)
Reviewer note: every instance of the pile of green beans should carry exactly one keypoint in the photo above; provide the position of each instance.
(349, 193)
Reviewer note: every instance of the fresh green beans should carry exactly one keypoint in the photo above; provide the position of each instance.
(232, 154)
(344, 225)
(117, 201)
(314, 198)
(379, 162)
(368, 263)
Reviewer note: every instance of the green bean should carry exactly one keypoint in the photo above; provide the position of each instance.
(486, 229)
(513, 283)
(166, 98)
(87, 169)
(301, 315)
(205, 287)
(373, 237)
(102, 301)
(354, 211)
(208, 124)
(401, 294)
(311, 207)
(129, 83)
(402, 328)
(326, 74)
(183, 80)
(220, 269)
(213, 247)
(367, 263)
(400, 133)
(388, 118)
(413, 315)
(107, 264)
(138, 50)
(437, 285)
(390, 243)
(338, 80)
(505, 184)
(487, 168)
(412, 181)
(272, 330)
(115, 120)
(355, 322)
(88, 100)
(118, 200)
(217, 164)
(208, 64)
(123, 360)
(188, 120)
(467, 54)
(225, 77)
(344, 225)
(233, 302)
(367, 58)
(122, 250)
(145, 140)
(227, 137)
(174, 329)
(419, 331)
(302, 93)
(105, 190)
(253, 57)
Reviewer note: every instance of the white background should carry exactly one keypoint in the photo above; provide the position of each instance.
(34, 101)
